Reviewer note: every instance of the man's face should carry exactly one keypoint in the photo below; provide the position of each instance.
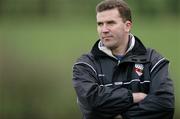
(112, 31)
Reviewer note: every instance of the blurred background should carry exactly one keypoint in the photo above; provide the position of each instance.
(41, 39)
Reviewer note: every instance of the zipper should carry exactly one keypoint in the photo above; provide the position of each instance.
(119, 61)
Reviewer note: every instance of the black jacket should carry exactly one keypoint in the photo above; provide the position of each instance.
(104, 85)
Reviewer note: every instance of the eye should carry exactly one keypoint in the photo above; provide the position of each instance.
(99, 23)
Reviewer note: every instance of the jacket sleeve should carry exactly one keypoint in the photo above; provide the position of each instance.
(96, 100)
(159, 103)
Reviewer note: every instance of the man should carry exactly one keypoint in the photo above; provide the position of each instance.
(120, 78)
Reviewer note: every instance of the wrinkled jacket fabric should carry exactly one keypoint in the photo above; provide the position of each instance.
(104, 85)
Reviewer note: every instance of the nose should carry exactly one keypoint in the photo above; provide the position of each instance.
(104, 29)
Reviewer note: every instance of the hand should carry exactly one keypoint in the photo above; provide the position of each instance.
(118, 117)
(137, 97)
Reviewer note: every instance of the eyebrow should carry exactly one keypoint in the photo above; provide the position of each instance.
(111, 21)
(108, 22)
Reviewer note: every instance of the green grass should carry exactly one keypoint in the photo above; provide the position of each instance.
(39, 54)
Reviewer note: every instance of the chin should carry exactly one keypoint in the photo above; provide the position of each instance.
(110, 46)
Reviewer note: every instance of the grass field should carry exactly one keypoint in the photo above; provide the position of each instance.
(38, 54)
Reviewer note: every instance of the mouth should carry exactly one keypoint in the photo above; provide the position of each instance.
(106, 37)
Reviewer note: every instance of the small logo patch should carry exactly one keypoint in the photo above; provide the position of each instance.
(139, 69)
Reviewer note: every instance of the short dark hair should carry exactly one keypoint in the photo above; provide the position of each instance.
(122, 6)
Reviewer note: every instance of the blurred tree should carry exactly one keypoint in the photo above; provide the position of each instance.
(43, 7)
(146, 7)
(173, 6)
(49, 7)
(1, 3)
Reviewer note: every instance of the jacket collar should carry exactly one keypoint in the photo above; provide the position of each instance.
(135, 48)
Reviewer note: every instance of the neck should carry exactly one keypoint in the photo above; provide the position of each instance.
(121, 49)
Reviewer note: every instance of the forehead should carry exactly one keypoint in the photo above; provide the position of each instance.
(112, 14)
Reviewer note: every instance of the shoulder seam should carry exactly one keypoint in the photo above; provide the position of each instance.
(87, 65)
(156, 64)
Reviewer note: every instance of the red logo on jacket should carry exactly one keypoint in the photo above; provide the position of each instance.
(138, 68)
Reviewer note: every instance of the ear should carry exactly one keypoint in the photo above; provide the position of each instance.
(128, 26)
